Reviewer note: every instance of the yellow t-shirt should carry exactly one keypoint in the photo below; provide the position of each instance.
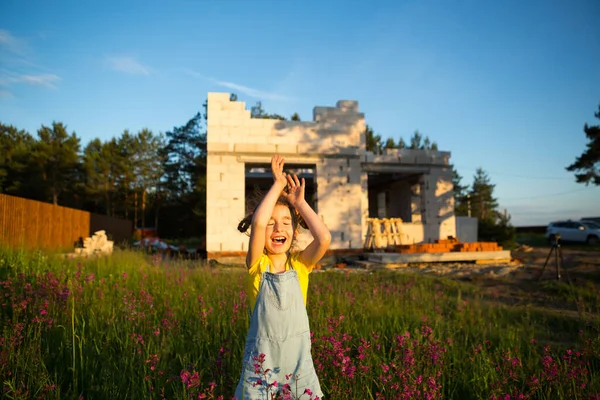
(260, 266)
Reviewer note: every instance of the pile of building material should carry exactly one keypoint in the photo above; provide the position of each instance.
(98, 244)
(445, 246)
(384, 232)
(443, 250)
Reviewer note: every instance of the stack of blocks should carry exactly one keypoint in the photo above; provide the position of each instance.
(98, 244)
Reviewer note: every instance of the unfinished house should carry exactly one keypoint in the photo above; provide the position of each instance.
(350, 188)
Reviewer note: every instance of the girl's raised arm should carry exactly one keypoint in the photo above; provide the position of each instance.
(313, 253)
(263, 212)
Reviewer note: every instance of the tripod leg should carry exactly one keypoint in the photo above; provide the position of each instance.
(556, 261)
(546, 263)
(562, 264)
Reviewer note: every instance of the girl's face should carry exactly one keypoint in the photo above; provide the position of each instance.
(280, 232)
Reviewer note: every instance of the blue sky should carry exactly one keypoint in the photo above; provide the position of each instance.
(505, 85)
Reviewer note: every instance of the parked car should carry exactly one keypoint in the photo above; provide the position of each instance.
(590, 223)
(574, 232)
(595, 220)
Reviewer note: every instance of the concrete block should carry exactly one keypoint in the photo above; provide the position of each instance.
(391, 152)
(217, 166)
(255, 148)
(286, 148)
(213, 178)
(218, 97)
(307, 148)
(246, 116)
(355, 177)
(319, 113)
(230, 118)
(214, 108)
(348, 105)
(212, 243)
(237, 186)
(269, 124)
(257, 131)
(279, 140)
(214, 120)
(234, 166)
(217, 133)
(238, 133)
(255, 123)
(237, 106)
(219, 147)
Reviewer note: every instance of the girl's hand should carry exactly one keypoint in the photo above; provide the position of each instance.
(277, 169)
(295, 190)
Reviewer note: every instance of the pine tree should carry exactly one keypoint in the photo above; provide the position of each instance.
(492, 225)
(125, 152)
(415, 141)
(588, 163)
(15, 161)
(147, 169)
(99, 170)
(257, 112)
(483, 204)
(418, 142)
(461, 201)
(181, 157)
(373, 141)
(57, 154)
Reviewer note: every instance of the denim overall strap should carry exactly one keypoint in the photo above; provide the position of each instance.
(280, 330)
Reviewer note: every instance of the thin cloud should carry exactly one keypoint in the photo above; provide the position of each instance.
(11, 43)
(238, 88)
(19, 66)
(194, 74)
(43, 80)
(46, 80)
(128, 65)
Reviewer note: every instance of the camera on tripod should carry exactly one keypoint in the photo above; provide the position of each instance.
(558, 257)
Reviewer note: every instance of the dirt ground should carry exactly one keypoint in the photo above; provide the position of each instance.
(523, 281)
(576, 264)
(532, 284)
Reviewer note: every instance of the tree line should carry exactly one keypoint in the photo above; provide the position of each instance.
(132, 176)
(153, 179)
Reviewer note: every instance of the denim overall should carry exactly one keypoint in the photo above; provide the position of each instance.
(280, 330)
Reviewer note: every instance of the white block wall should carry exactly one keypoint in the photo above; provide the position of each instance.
(335, 143)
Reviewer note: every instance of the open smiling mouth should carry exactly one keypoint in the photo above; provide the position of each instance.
(278, 240)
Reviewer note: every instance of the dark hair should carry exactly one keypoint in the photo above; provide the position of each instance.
(296, 218)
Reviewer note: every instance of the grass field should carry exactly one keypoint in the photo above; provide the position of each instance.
(135, 327)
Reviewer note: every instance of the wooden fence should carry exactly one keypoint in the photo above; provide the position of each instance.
(34, 224)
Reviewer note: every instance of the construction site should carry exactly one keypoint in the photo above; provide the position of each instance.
(395, 207)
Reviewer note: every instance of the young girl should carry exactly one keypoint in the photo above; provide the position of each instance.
(279, 331)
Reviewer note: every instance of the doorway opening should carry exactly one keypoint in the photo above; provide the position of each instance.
(395, 195)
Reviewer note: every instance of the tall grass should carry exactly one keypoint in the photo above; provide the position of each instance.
(135, 327)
